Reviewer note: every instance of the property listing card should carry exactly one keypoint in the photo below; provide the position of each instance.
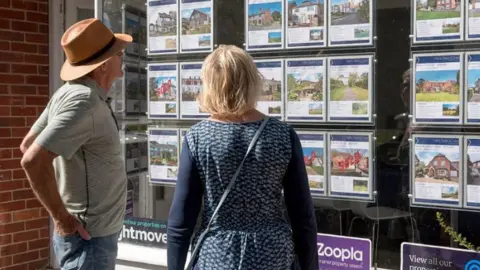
(472, 172)
(473, 19)
(264, 24)
(436, 170)
(350, 89)
(162, 91)
(437, 80)
(162, 26)
(350, 165)
(270, 101)
(163, 155)
(306, 23)
(438, 20)
(350, 22)
(313, 145)
(305, 92)
(190, 88)
(473, 88)
(197, 25)
(132, 90)
(132, 28)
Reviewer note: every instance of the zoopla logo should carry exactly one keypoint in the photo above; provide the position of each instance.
(472, 265)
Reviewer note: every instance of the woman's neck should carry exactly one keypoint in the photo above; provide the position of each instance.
(250, 116)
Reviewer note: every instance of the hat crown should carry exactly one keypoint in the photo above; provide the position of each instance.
(85, 39)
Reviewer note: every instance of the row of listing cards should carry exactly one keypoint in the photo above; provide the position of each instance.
(447, 88)
(335, 89)
(338, 164)
(278, 24)
(445, 171)
(446, 20)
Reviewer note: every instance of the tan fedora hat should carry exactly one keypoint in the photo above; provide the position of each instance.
(87, 45)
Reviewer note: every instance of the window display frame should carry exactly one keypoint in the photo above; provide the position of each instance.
(325, 31)
(212, 34)
(466, 61)
(314, 193)
(164, 52)
(246, 22)
(180, 93)
(467, 23)
(163, 182)
(149, 111)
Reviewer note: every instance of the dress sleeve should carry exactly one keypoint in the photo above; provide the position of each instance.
(300, 208)
(182, 219)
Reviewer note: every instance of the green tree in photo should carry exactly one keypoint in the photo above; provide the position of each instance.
(362, 81)
(276, 16)
(352, 79)
(364, 9)
(432, 3)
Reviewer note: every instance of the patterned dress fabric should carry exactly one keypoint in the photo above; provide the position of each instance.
(250, 231)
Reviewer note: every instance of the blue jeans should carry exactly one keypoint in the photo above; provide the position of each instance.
(75, 253)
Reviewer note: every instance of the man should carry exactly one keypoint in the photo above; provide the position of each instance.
(72, 155)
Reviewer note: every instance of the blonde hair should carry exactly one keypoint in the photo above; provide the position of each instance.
(231, 82)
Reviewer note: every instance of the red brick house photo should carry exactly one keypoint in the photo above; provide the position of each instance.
(440, 167)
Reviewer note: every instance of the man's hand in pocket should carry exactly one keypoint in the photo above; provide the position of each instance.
(70, 225)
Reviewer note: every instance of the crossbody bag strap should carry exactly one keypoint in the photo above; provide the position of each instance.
(227, 190)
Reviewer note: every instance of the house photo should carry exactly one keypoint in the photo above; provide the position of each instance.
(163, 88)
(163, 24)
(436, 167)
(191, 88)
(306, 86)
(265, 16)
(437, 85)
(163, 153)
(306, 13)
(473, 85)
(271, 90)
(348, 12)
(349, 162)
(438, 9)
(313, 158)
(196, 21)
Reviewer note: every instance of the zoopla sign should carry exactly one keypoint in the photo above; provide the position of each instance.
(340, 252)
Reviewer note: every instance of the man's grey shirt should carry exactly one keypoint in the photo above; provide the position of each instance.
(79, 127)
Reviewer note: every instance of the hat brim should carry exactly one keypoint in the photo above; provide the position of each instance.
(70, 72)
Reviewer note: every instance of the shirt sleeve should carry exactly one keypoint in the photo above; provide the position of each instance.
(41, 122)
(186, 204)
(300, 208)
(69, 127)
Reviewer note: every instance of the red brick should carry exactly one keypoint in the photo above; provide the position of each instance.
(12, 79)
(43, 7)
(30, 120)
(11, 57)
(12, 14)
(6, 153)
(11, 228)
(16, 153)
(44, 212)
(19, 174)
(36, 38)
(4, 111)
(12, 100)
(4, 24)
(43, 91)
(5, 132)
(38, 264)
(10, 142)
(11, 206)
(5, 218)
(37, 244)
(5, 3)
(26, 215)
(5, 196)
(23, 194)
(36, 59)
(13, 249)
(25, 257)
(20, 132)
(33, 203)
(24, 5)
(43, 70)
(5, 261)
(4, 89)
(37, 17)
(11, 36)
(41, 80)
(4, 45)
(23, 47)
(25, 236)
(44, 233)
(24, 111)
(24, 69)
(37, 223)
(18, 267)
(42, 49)
(9, 164)
(44, 253)
(5, 175)
(4, 68)
(43, 28)
(11, 121)
(23, 89)
(24, 26)
(36, 100)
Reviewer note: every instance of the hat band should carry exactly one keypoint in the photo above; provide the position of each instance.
(95, 55)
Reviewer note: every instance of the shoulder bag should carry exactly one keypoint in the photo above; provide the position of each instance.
(227, 190)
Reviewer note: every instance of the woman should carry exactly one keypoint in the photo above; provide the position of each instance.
(250, 230)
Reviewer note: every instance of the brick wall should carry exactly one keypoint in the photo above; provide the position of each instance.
(24, 232)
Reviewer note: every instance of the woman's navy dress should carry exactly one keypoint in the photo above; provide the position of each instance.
(250, 231)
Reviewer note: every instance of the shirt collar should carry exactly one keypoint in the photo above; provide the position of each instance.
(89, 82)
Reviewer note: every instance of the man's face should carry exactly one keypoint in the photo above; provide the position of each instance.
(114, 66)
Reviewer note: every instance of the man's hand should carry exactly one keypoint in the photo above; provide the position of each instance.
(70, 225)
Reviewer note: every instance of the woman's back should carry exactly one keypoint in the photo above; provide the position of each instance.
(250, 225)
